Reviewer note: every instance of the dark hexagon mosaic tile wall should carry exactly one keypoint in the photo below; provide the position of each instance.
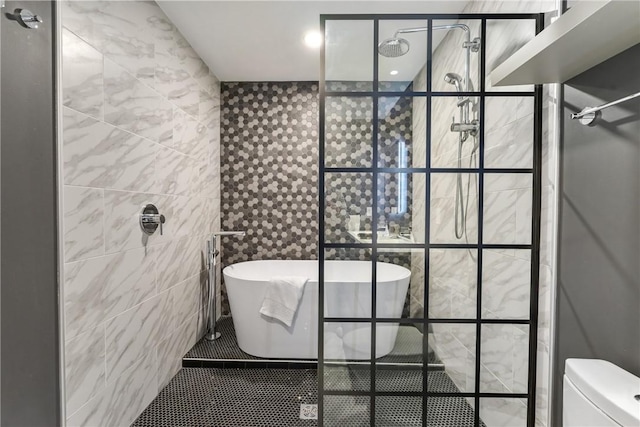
(269, 155)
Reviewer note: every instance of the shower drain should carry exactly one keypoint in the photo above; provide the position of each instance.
(308, 412)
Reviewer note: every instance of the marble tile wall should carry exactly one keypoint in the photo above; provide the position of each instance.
(140, 124)
(507, 214)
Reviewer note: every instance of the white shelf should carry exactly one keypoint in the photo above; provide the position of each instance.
(586, 35)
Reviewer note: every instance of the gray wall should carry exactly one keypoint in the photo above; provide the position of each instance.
(30, 383)
(599, 248)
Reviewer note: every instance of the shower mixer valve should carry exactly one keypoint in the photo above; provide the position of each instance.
(151, 220)
(471, 128)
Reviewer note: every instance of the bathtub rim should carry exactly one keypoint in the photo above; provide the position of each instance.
(226, 270)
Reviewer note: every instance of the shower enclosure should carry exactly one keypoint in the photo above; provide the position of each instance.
(425, 165)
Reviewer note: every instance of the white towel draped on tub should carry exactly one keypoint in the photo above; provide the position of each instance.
(283, 297)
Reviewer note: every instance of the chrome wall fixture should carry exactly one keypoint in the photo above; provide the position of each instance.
(589, 114)
(212, 255)
(151, 219)
(25, 17)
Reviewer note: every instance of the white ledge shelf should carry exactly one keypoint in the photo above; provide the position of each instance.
(586, 35)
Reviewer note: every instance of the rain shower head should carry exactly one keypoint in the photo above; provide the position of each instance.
(392, 48)
(454, 79)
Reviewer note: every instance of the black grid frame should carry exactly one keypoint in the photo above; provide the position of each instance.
(374, 246)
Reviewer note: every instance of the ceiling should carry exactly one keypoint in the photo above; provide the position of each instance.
(263, 40)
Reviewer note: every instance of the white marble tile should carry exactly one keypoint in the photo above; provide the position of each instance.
(190, 136)
(494, 182)
(457, 358)
(491, 383)
(511, 146)
(506, 284)
(136, 332)
(123, 399)
(548, 214)
(132, 106)
(83, 223)
(184, 222)
(463, 306)
(544, 303)
(499, 112)
(84, 368)
(179, 260)
(503, 412)
(99, 288)
(455, 269)
(99, 155)
(175, 83)
(520, 359)
(82, 76)
(416, 287)
(200, 72)
(443, 185)
(542, 384)
(524, 212)
(187, 297)
(500, 217)
(172, 349)
(439, 301)
(496, 352)
(176, 173)
(209, 110)
(117, 29)
(122, 220)
(416, 309)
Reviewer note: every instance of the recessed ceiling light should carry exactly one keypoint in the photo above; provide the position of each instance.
(313, 39)
(394, 72)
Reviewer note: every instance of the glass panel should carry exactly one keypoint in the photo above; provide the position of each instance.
(453, 274)
(394, 270)
(348, 205)
(399, 361)
(349, 55)
(505, 37)
(503, 412)
(405, 72)
(341, 411)
(401, 369)
(398, 411)
(454, 345)
(395, 208)
(399, 358)
(348, 132)
(450, 411)
(508, 203)
(506, 284)
(347, 283)
(454, 208)
(347, 342)
(396, 146)
(342, 376)
(504, 358)
(508, 132)
(451, 149)
(450, 56)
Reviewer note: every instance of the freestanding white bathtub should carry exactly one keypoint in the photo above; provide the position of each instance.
(347, 294)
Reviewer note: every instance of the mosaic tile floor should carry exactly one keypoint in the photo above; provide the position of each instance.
(407, 349)
(201, 397)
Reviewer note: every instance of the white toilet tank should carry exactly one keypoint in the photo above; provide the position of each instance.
(597, 393)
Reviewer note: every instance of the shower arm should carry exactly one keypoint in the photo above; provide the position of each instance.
(468, 44)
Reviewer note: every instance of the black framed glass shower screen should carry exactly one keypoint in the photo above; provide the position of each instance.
(377, 170)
